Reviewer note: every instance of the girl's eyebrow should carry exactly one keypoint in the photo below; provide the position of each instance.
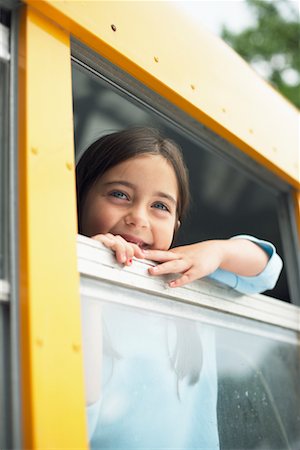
(132, 186)
(125, 183)
(167, 196)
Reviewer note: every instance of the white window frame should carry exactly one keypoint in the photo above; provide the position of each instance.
(99, 272)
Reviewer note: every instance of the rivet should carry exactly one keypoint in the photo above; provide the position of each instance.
(251, 131)
(39, 342)
(193, 87)
(76, 347)
(69, 166)
(274, 149)
(34, 150)
(113, 27)
(224, 110)
(156, 59)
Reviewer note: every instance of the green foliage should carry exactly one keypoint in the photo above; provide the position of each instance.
(273, 44)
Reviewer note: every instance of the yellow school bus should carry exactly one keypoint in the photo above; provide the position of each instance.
(72, 71)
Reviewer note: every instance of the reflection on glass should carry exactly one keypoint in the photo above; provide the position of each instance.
(161, 376)
(258, 393)
(99, 110)
(159, 385)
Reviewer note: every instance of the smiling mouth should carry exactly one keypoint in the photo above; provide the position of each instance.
(133, 240)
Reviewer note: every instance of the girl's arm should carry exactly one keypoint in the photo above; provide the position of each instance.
(265, 280)
(240, 262)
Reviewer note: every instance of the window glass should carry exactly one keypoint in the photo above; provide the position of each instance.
(184, 377)
(226, 201)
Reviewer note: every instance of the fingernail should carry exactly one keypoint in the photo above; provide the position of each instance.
(145, 252)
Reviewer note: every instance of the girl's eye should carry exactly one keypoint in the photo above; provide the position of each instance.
(119, 194)
(162, 206)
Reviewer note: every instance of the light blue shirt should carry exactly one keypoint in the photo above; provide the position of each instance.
(266, 280)
(145, 403)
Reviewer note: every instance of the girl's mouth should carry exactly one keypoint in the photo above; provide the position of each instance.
(135, 240)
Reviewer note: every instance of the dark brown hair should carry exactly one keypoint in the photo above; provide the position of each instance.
(112, 149)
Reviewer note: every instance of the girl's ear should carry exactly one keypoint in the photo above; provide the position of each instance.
(177, 226)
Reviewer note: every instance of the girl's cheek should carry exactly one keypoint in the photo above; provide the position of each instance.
(167, 236)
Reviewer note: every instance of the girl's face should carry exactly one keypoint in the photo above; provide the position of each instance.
(136, 199)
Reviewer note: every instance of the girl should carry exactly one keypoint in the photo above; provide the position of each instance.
(132, 191)
(159, 387)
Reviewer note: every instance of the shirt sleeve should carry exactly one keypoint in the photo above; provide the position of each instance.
(264, 281)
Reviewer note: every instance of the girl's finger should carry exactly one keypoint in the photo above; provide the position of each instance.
(124, 251)
(137, 251)
(160, 255)
(129, 254)
(120, 251)
(109, 235)
(131, 250)
(186, 278)
(104, 239)
(110, 241)
(177, 266)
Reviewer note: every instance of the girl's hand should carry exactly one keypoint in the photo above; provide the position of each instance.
(192, 261)
(124, 251)
(240, 256)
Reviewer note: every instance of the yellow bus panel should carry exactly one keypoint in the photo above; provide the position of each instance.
(193, 69)
(52, 368)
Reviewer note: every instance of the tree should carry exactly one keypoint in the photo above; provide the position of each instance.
(272, 45)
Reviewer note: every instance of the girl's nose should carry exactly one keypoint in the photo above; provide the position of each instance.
(137, 217)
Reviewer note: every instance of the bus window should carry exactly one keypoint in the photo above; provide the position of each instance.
(226, 200)
(191, 367)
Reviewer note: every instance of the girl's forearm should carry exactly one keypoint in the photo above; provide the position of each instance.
(242, 257)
